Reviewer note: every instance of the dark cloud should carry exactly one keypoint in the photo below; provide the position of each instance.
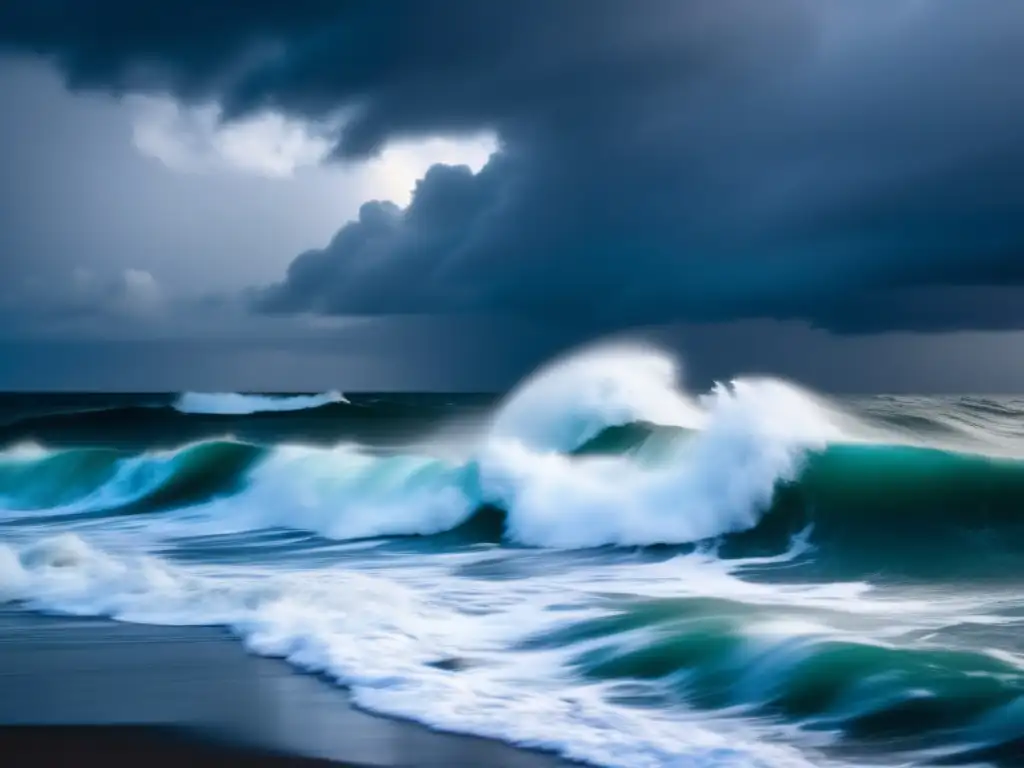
(75, 193)
(699, 160)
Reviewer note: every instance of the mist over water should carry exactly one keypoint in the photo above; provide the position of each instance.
(601, 563)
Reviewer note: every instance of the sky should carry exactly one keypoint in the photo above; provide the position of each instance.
(441, 194)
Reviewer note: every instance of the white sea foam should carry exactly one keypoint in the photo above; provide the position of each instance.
(751, 435)
(235, 404)
(379, 637)
(24, 452)
(754, 435)
(381, 631)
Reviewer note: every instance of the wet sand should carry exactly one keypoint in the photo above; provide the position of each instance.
(190, 690)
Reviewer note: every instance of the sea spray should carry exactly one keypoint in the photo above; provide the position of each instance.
(569, 401)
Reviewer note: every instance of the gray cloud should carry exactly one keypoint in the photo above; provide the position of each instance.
(701, 160)
(75, 192)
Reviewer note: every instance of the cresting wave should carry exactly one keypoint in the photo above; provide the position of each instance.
(601, 449)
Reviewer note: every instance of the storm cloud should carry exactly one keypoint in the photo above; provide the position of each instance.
(853, 164)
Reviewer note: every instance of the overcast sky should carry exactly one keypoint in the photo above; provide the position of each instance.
(439, 194)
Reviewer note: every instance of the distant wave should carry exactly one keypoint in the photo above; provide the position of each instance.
(235, 404)
(323, 419)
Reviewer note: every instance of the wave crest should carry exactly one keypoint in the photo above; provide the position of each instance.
(571, 400)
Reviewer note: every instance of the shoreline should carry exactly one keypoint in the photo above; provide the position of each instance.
(145, 684)
(128, 746)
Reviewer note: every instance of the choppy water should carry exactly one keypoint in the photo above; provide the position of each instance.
(599, 564)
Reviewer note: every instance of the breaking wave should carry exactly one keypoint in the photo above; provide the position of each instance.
(599, 450)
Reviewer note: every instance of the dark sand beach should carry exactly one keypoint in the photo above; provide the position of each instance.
(192, 695)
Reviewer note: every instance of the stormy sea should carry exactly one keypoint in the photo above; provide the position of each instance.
(600, 563)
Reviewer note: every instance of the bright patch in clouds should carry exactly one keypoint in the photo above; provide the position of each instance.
(193, 140)
(393, 175)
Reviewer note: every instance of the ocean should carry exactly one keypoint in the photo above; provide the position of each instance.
(598, 563)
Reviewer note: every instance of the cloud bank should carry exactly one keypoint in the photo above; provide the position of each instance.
(856, 165)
